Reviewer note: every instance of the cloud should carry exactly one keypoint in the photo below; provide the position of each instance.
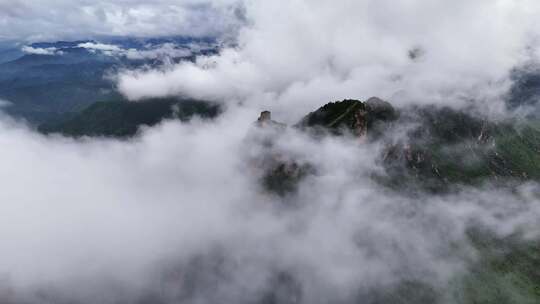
(45, 20)
(166, 50)
(41, 51)
(100, 47)
(160, 51)
(287, 59)
(179, 214)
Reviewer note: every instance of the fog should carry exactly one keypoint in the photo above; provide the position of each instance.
(293, 56)
(178, 214)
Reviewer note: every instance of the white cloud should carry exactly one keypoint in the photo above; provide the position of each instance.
(160, 51)
(166, 50)
(100, 47)
(97, 220)
(109, 216)
(41, 51)
(294, 55)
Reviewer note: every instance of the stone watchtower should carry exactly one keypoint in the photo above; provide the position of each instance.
(266, 117)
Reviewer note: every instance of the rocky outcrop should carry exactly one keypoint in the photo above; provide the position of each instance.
(350, 117)
(428, 147)
(278, 173)
(380, 110)
(445, 148)
(281, 174)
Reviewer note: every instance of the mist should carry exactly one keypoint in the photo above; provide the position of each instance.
(179, 213)
(462, 51)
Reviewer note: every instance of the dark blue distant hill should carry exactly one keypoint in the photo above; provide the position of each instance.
(10, 54)
(120, 118)
(43, 87)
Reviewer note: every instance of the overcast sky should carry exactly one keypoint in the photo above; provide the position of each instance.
(37, 20)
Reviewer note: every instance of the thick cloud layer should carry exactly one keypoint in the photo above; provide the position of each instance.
(295, 55)
(179, 214)
(45, 20)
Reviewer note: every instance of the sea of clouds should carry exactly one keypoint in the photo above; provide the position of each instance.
(178, 214)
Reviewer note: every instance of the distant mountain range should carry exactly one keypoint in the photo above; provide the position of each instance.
(443, 147)
(44, 81)
(123, 119)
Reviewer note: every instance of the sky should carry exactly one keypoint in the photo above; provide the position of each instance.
(98, 220)
(46, 20)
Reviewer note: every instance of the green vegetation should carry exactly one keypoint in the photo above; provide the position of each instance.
(283, 178)
(449, 147)
(506, 272)
(122, 118)
(443, 147)
(332, 115)
(350, 116)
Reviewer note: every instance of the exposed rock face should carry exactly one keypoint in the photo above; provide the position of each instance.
(340, 117)
(447, 147)
(380, 109)
(280, 173)
(439, 147)
(360, 124)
